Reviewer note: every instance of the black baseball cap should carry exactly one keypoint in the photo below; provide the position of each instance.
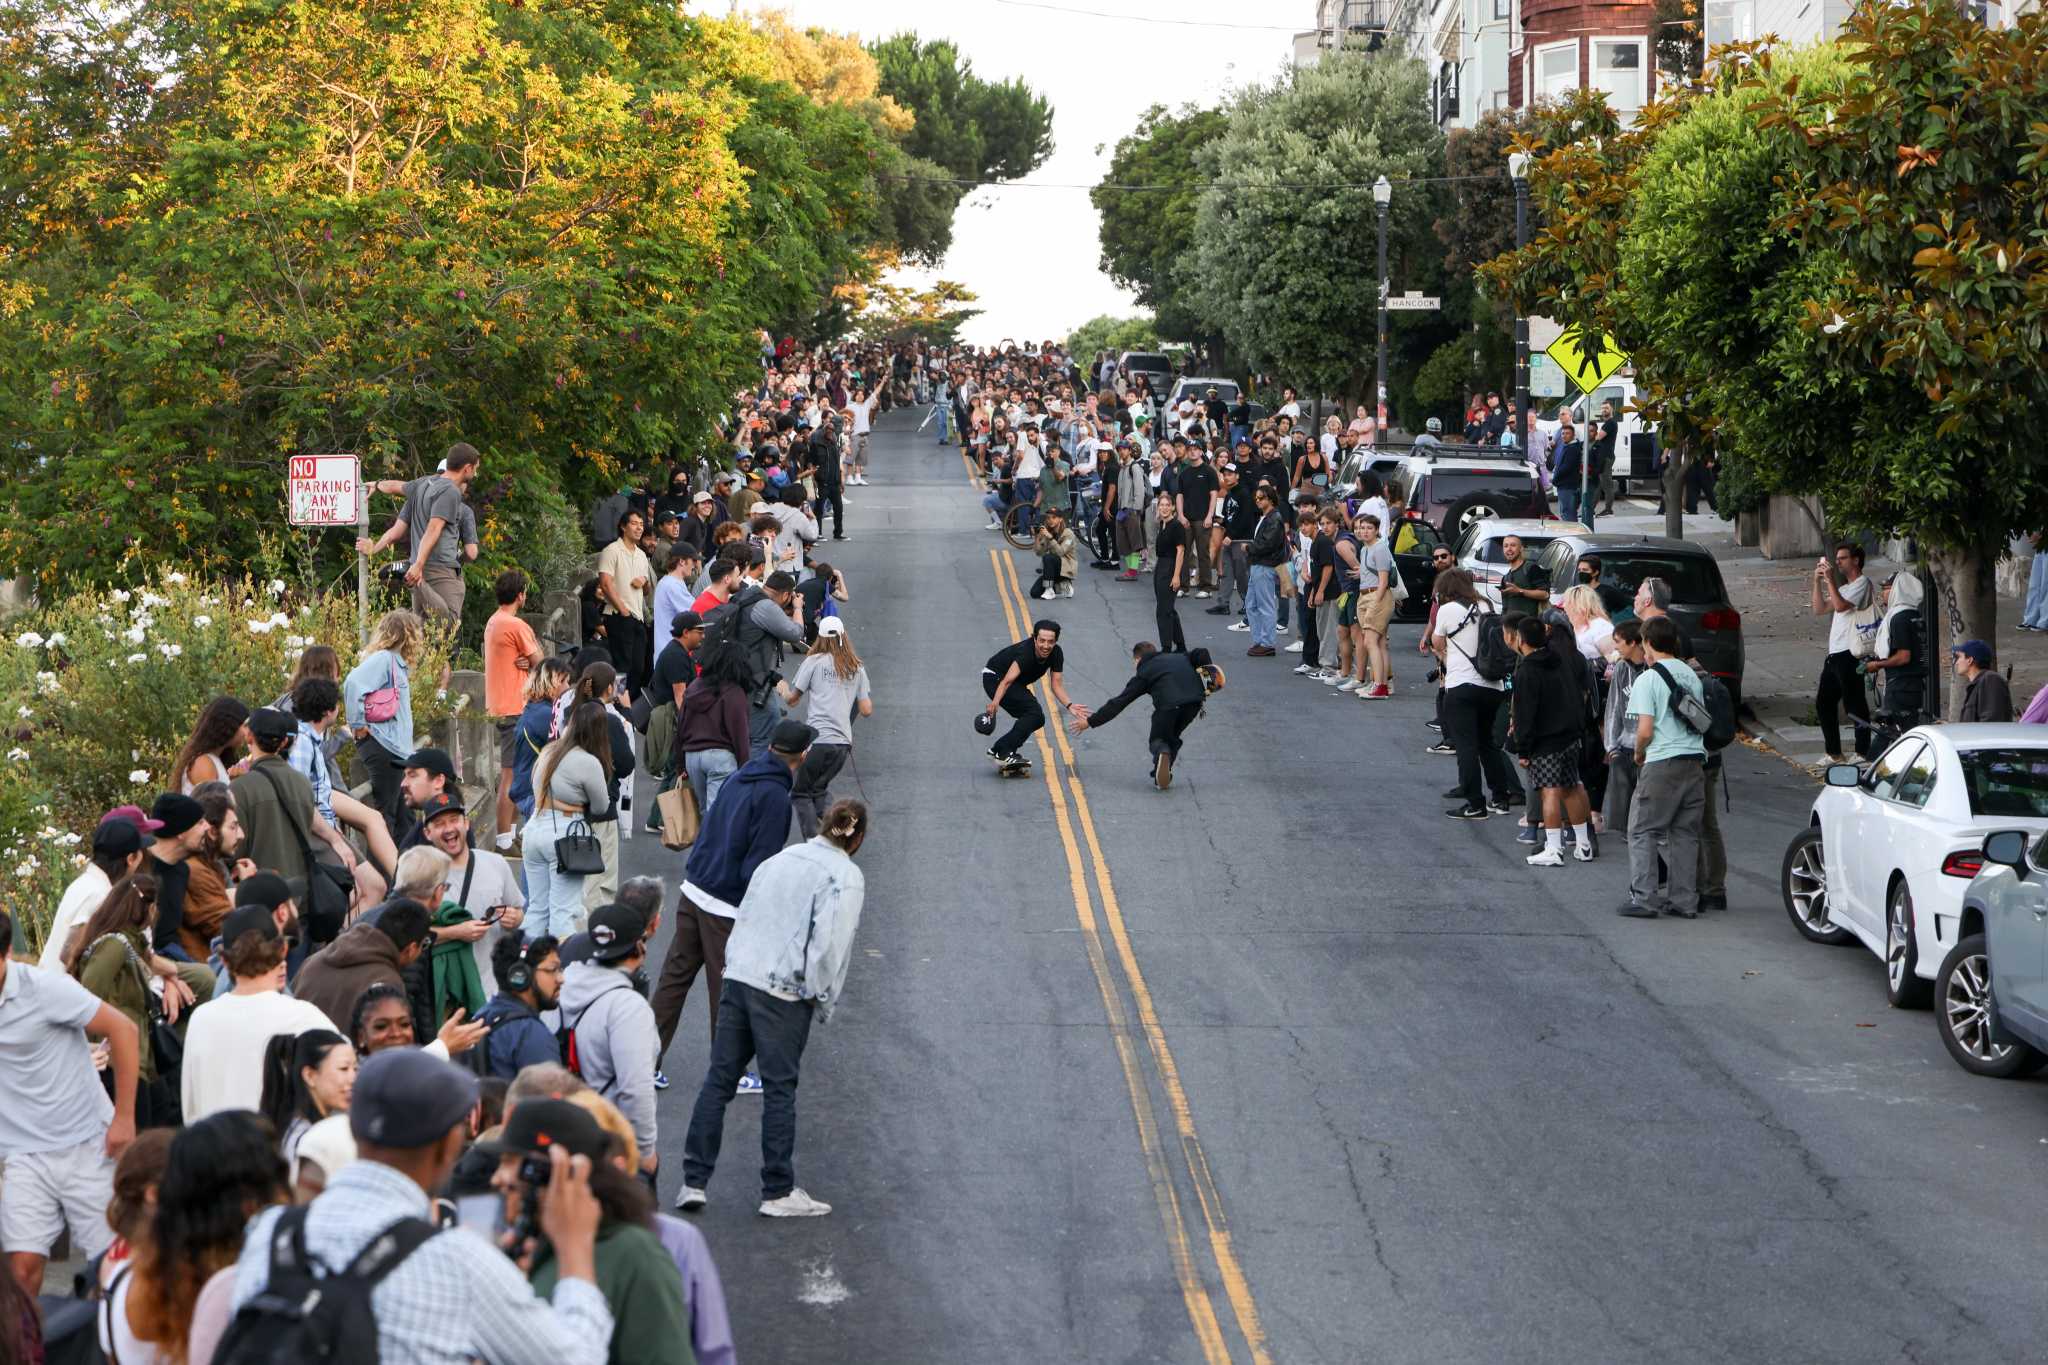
(685, 620)
(615, 932)
(117, 836)
(270, 726)
(175, 814)
(792, 737)
(243, 919)
(540, 1125)
(265, 891)
(439, 805)
(408, 1098)
(433, 761)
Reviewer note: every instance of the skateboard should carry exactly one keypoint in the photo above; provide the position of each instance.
(1020, 768)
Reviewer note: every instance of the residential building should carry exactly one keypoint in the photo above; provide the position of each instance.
(1344, 23)
(1567, 45)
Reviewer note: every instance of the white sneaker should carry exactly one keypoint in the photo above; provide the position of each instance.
(1548, 857)
(1304, 668)
(1582, 853)
(1239, 626)
(1348, 685)
(1204, 592)
(1280, 630)
(1067, 591)
(1294, 648)
(795, 1204)
(1048, 595)
(993, 526)
(505, 841)
(690, 1199)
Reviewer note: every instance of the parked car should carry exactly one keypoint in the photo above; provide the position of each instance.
(1991, 991)
(1699, 599)
(1151, 366)
(1453, 486)
(1478, 548)
(1890, 849)
(1197, 388)
(1414, 542)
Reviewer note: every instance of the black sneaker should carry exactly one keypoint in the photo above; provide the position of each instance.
(1440, 748)
(1216, 611)
(1467, 813)
(1454, 791)
(1709, 902)
(1497, 806)
(1634, 911)
(1518, 798)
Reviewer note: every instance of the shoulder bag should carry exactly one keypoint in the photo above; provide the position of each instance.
(382, 705)
(165, 1098)
(325, 910)
(579, 855)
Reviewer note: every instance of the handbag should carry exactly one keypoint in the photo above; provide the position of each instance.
(679, 816)
(382, 705)
(579, 855)
(325, 909)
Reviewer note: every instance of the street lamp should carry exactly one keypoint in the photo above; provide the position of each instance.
(1518, 171)
(1382, 195)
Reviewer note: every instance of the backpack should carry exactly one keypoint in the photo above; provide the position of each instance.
(565, 1036)
(726, 628)
(304, 1317)
(1711, 716)
(1494, 660)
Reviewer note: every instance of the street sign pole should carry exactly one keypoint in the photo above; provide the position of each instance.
(1379, 414)
(1518, 169)
(362, 566)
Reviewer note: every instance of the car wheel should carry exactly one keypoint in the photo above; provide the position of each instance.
(1903, 987)
(1804, 880)
(1962, 993)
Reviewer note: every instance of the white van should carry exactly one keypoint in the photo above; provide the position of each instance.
(1619, 390)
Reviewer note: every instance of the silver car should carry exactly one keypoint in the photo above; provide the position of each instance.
(1991, 993)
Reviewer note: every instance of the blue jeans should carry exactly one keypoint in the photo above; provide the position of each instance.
(1568, 503)
(772, 1031)
(993, 502)
(554, 900)
(1026, 493)
(708, 769)
(2036, 612)
(1261, 603)
(945, 421)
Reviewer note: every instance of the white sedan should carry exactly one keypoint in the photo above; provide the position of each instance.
(1891, 848)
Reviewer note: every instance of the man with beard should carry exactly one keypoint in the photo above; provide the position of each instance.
(529, 974)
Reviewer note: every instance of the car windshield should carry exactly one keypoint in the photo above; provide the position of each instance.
(2008, 783)
(1447, 486)
(1145, 360)
(1694, 580)
(1488, 551)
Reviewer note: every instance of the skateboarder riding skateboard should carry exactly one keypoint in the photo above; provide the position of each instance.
(1007, 680)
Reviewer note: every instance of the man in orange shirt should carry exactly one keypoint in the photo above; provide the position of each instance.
(510, 653)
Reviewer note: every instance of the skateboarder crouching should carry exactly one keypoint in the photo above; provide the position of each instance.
(1007, 680)
(1177, 693)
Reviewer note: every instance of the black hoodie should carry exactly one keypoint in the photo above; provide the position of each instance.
(1549, 714)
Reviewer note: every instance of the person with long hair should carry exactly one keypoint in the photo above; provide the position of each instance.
(1471, 702)
(213, 871)
(713, 735)
(640, 1283)
(572, 784)
(220, 736)
(785, 963)
(113, 962)
(1592, 628)
(545, 685)
(834, 679)
(136, 1178)
(381, 685)
(306, 1077)
(222, 1171)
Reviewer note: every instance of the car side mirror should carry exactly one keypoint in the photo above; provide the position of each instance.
(1844, 775)
(2008, 846)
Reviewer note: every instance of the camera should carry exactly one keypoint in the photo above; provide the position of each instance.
(1434, 674)
(535, 1170)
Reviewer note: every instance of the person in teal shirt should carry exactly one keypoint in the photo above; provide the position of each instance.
(1669, 807)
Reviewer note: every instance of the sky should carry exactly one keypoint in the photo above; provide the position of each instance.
(1030, 251)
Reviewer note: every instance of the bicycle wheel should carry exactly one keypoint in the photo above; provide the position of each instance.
(1014, 527)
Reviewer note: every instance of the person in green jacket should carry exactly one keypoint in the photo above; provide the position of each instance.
(116, 964)
(635, 1273)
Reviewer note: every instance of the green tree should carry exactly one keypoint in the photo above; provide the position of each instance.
(976, 129)
(936, 313)
(1113, 334)
(1148, 235)
(1283, 262)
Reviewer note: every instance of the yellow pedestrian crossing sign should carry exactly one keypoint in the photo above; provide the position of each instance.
(1589, 368)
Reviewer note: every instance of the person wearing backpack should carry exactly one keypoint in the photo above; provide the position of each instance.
(758, 622)
(529, 976)
(1467, 637)
(416, 1294)
(1653, 597)
(1671, 785)
(608, 1035)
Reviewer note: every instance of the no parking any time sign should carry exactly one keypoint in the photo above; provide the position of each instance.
(323, 489)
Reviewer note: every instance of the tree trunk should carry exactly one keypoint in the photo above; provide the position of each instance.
(1675, 470)
(1966, 579)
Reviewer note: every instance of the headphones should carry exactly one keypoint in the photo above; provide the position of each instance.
(519, 976)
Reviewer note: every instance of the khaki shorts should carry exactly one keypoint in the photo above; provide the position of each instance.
(1376, 610)
(50, 1191)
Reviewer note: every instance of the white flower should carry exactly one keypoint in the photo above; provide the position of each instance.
(296, 642)
(150, 600)
(202, 622)
(174, 578)
(16, 755)
(23, 712)
(138, 777)
(277, 587)
(26, 868)
(56, 637)
(121, 594)
(28, 639)
(134, 635)
(1838, 323)
(170, 651)
(259, 627)
(138, 658)
(47, 684)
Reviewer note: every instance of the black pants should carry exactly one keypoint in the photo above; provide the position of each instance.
(1048, 575)
(1839, 686)
(386, 770)
(1469, 715)
(626, 642)
(830, 495)
(1104, 538)
(809, 796)
(1170, 637)
(1168, 724)
(752, 1025)
(1311, 643)
(1022, 707)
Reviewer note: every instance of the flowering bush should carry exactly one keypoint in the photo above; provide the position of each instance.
(98, 692)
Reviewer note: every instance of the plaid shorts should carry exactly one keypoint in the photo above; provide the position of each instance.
(1560, 769)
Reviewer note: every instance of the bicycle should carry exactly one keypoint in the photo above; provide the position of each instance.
(1016, 521)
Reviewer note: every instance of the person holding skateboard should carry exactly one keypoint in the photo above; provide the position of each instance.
(1007, 679)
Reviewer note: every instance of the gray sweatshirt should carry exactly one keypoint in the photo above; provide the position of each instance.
(616, 1041)
(578, 780)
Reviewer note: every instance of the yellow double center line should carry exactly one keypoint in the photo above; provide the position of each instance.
(1192, 1166)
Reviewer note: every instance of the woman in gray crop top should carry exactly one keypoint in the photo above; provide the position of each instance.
(572, 782)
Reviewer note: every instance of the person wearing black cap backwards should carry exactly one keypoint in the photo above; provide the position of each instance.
(747, 825)
(1177, 694)
(612, 1039)
(450, 1296)
(181, 831)
(638, 1279)
(274, 799)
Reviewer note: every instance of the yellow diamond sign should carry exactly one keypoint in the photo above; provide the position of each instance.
(1587, 366)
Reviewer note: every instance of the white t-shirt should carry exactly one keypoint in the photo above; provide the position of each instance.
(1030, 460)
(81, 898)
(52, 1096)
(1458, 625)
(1841, 626)
(1378, 507)
(491, 885)
(1596, 634)
(224, 1047)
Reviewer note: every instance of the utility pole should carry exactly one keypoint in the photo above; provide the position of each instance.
(1518, 171)
(1382, 195)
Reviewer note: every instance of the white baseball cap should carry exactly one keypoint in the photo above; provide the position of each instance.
(831, 626)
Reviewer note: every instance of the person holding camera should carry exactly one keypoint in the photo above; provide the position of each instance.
(638, 1279)
(450, 1295)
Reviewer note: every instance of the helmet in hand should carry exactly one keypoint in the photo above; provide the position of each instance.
(984, 723)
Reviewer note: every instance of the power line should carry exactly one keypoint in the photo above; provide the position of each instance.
(1151, 19)
(965, 183)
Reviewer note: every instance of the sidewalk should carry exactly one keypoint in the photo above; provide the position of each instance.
(1783, 640)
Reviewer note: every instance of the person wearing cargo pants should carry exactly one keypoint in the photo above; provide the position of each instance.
(1713, 859)
(1665, 818)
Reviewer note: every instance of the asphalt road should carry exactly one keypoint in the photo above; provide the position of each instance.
(1283, 1065)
